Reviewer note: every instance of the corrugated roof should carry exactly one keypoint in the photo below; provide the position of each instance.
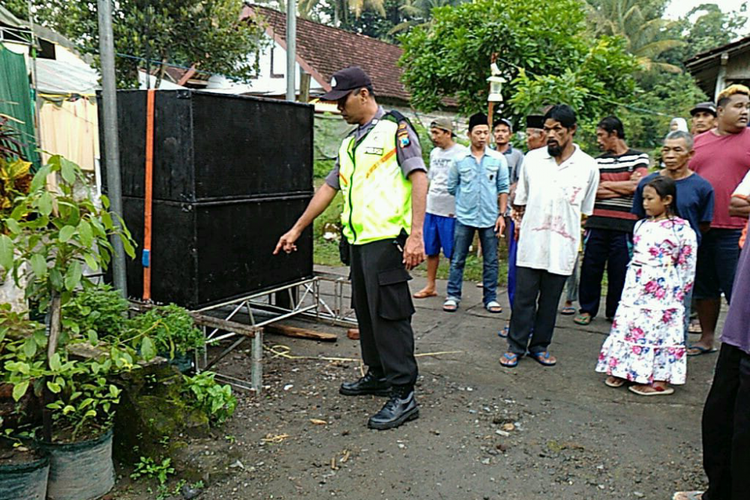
(326, 50)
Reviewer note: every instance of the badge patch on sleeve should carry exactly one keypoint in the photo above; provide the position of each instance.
(403, 135)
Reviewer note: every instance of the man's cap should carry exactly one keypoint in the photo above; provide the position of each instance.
(535, 121)
(477, 119)
(345, 81)
(443, 123)
(709, 107)
(503, 121)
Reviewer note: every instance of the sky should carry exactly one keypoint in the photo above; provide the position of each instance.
(679, 8)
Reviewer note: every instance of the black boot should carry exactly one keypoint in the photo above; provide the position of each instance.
(370, 384)
(400, 408)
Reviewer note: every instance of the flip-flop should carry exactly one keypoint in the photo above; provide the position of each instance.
(543, 358)
(450, 306)
(503, 334)
(423, 295)
(658, 391)
(695, 328)
(568, 311)
(583, 319)
(509, 360)
(701, 350)
(688, 495)
(494, 307)
(618, 382)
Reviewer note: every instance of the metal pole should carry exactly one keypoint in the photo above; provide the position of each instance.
(291, 49)
(109, 128)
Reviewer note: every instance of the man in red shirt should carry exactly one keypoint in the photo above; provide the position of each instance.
(722, 158)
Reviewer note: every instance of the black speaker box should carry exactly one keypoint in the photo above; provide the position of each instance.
(231, 175)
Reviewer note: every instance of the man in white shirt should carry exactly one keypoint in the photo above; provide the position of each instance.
(556, 186)
(440, 217)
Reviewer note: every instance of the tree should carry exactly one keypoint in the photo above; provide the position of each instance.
(156, 33)
(706, 27)
(544, 53)
(343, 12)
(640, 23)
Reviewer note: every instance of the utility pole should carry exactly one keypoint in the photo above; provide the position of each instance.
(109, 128)
(291, 49)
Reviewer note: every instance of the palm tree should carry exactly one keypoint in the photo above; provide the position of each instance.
(343, 9)
(640, 24)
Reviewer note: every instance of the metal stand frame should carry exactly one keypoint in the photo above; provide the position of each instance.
(304, 299)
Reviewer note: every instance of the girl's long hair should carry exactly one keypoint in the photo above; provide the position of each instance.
(664, 186)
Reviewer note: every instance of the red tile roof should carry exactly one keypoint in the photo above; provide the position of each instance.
(322, 50)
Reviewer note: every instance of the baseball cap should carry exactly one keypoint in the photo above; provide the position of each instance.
(503, 121)
(442, 123)
(345, 81)
(704, 106)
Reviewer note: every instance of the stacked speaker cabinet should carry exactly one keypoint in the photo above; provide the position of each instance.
(231, 174)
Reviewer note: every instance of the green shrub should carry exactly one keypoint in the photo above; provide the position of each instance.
(210, 397)
(171, 328)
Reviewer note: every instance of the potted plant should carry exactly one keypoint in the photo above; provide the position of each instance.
(172, 331)
(49, 237)
(24, 468)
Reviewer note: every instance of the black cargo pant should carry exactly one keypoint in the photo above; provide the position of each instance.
(381, 298)
(726, 428)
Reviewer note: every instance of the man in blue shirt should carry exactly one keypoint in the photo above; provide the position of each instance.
(479, 181)
(695, 195)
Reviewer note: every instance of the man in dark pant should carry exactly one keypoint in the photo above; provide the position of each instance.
(381, 175)
(556, 186)
(609, 230)
(726, 416)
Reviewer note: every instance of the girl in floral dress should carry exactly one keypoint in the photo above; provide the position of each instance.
(646, 346)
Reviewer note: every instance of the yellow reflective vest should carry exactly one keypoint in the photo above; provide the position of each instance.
(377, 196)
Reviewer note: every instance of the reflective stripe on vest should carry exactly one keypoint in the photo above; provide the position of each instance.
(377, 197)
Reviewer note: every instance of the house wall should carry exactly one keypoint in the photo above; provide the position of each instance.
(272, 78)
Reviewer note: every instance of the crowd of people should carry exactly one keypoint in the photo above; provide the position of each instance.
(656, 234)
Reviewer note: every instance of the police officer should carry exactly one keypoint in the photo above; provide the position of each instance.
(381, 174)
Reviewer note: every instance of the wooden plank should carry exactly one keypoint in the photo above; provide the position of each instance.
(300, 333)
(222, 324)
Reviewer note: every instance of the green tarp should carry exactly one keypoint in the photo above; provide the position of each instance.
(16, 101)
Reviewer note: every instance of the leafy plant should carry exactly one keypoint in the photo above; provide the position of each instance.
(56, 233)
(97, 312)
(212, 398)
(85, 399)
(170, 330)
(147, 467)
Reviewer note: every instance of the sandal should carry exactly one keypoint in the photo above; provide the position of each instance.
(568, 311)
(424, 295)
(583, 319)
(509, 360)
(494, 307)
(657, 390)
(614, 382)
(503, 334)
(450, 305)
(544, 358)
(697, 350)
(695, 327)
(688, 495)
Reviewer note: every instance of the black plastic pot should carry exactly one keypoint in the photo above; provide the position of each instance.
(26, 481)
(81, 471)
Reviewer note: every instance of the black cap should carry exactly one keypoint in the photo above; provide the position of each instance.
(477, 119)
(535, 121)
(709, 107)
(345, 81)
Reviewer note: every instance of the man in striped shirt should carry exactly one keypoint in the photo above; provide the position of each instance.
(609, 231)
